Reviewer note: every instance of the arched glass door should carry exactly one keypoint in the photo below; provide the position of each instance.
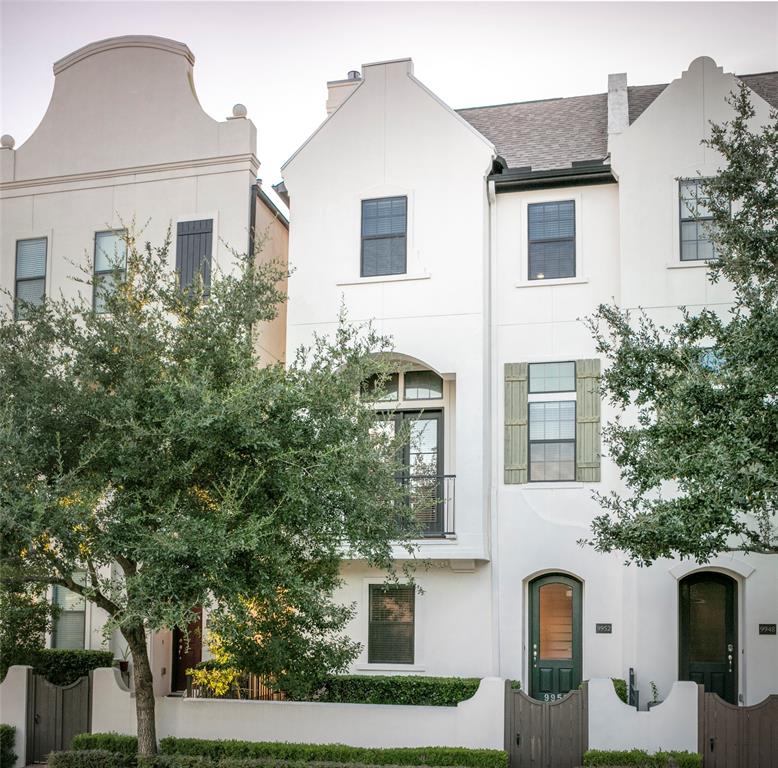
(708, 633)
(555, 636)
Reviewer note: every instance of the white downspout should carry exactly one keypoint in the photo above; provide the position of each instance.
(492, 394)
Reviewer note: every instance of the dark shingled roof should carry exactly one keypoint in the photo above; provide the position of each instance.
(554, 133)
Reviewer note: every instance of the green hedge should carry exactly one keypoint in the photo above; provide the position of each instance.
(398, 689)
(7, 743)
(62, 666)
(91, 758)
(336, 753)
(110, 742)
(637, 758)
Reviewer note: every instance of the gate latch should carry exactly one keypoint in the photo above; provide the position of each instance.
(37, 718)
(712, 742)
(518, 739)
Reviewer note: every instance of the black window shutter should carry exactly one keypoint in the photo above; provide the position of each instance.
(194, 243)
(391, 624)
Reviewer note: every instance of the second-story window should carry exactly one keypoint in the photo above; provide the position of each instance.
(551, 240)
(30, 274)
(110, 263)
(69, 628)
(384, 235)
(552, 424)
(410, 403)
(696, 221)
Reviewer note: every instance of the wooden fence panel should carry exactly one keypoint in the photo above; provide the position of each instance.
(739, 737)
(541, 734)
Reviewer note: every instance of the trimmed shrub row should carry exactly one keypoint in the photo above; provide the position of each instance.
(336, 753)
(637, 758)
(61, 666)
(108, 742)
(101, 758)
(398, 689)
(270, 753)
(7, 742)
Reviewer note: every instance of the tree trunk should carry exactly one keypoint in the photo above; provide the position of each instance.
(144, 690)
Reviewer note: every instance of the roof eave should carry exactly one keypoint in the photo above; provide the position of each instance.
(516, 180)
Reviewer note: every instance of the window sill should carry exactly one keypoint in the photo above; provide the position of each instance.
(552, 281)
(689, 264)
(385, 279)
(555, 484)
(390, 668)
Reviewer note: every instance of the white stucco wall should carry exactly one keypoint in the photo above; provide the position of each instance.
(475, 723)
(670, 726)
(13, 708)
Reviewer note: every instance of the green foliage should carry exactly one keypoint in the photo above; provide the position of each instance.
(108, 742)
(640, 759)
(92, 758)
(337, 753)
(64, 666)
(699, 450)
(398, 689)
(7, 743)
(25, 618)
(620, 686)
(373, 689)
(151, 449)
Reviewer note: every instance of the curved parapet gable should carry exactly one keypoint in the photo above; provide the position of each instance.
(125, 103)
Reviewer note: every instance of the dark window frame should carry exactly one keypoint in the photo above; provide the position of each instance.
(531, 442)
(18, 279)
(373, 588)
(572, 239)
(364, 238)
(103, 272)
(550, 391)
(685, 216)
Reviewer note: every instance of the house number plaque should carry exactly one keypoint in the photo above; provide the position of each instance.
(767, 629)
(603, 629)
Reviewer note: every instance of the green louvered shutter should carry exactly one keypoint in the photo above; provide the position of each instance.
(587, 428)
(516, 423)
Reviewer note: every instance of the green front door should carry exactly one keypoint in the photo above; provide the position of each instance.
(555, 636)
(708, 633)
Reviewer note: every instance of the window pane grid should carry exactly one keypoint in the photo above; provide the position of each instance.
(551, 240)
(552, 441)
(551, 377)
(696, 221)
(384, 230)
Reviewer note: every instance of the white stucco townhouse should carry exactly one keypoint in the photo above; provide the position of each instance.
(478, 238)
(125, 142)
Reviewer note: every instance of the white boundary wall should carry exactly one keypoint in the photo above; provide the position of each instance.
(13, 707)
(475, 723)
(671, 725)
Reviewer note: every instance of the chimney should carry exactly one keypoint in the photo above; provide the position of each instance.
(339, 90)
(618, 105)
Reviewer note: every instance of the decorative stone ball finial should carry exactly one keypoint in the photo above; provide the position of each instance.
(7, 141)
(239, 110)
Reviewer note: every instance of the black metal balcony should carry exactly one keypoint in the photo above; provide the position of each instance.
(432, 499)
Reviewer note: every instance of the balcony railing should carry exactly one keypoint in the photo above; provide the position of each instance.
(432, 499)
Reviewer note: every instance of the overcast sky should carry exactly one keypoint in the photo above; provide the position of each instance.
(276, 57)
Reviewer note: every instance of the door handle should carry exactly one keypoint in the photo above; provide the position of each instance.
(518, 739)
(712, 742)
(37, 718)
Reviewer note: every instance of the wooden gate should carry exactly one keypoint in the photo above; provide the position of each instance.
(738, 737)
(55, 714)
(545, 734)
